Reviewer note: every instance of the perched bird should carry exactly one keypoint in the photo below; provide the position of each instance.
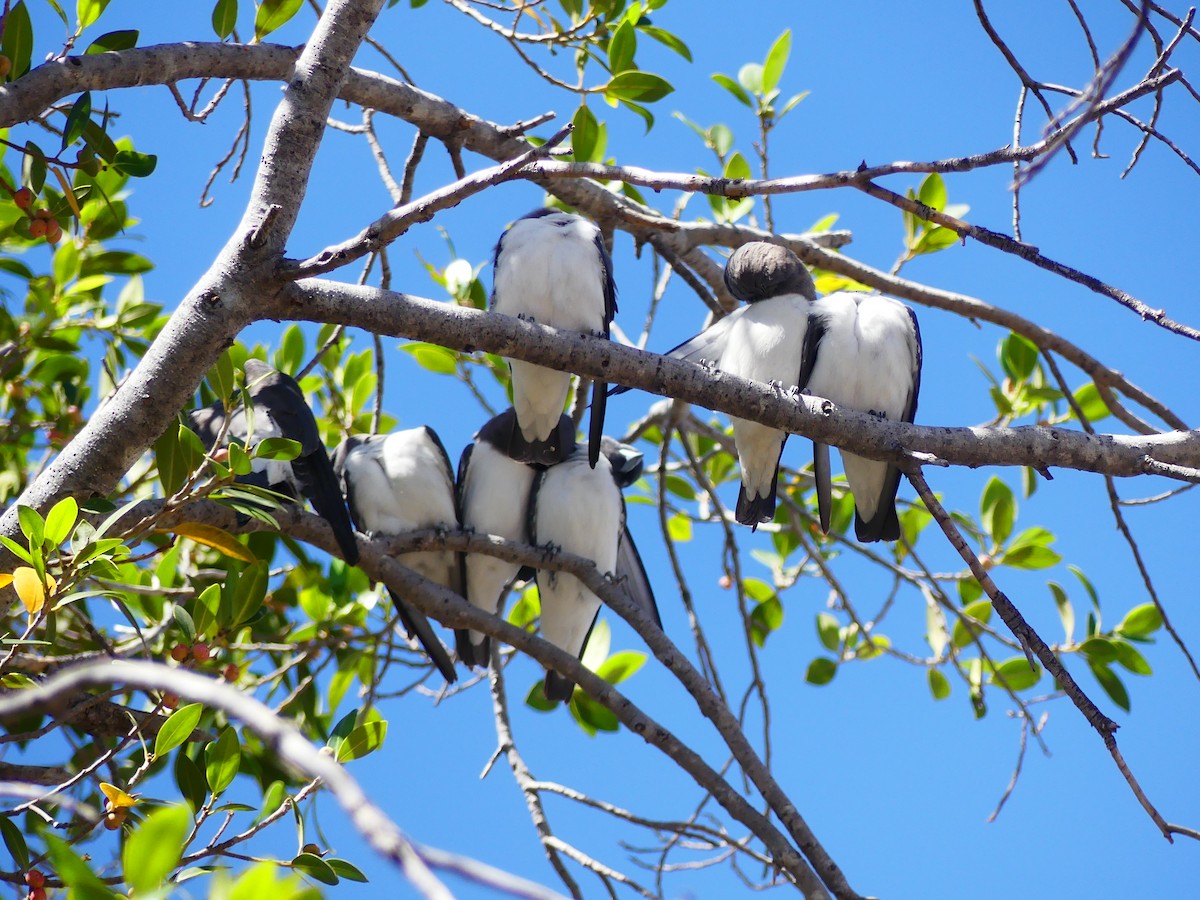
(402, 482)
(863, 352)
(278, 409)
(580, 509)
(552, 268)
(761, 341)
(493, 498)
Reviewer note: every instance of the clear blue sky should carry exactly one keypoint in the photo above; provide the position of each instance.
(898, 787)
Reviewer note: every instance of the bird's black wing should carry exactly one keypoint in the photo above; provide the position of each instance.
(316, 480)
(207, 422)
(705, 347)
(600, 387)
(416, 625)
(822, 477)
(632, 573)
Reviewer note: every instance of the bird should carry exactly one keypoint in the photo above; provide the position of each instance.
(493, 498)
(552, 267)
(278, 409)
(579, 509)
(761, 341)
(401, 482)
(863, 352)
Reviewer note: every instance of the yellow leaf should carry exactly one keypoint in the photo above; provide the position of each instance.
(5, 580)
(30, 588)
(117, 798)
(211, 536)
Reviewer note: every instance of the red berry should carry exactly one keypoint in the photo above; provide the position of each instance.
(37, 228)
(180, 652)
(23, 198)
(169, 700)
(37, 894)
(114, 819)
(35, 879)
(54, 232)
(200, 652)
(232, 673)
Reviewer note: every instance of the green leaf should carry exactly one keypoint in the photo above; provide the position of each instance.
(932, 192)
(980, 611)
(435, 359)
(766, 617)
(939, 686)
(720, 138)
(592, 716)
(680, 487)
(679, 527)
(644, 87)
(776, 61)
(733, 87)
(60, 520)
(1090, 403)
(224, 18)
(665, 37)
(88, 11)
(1066, 612)
(273, 798)
(15, 842)
(828, 631)
(222, 760)
(750, 76)
(586, 136)
(113, 42)
(178, 728)
(1141, 621)
(118, 262)
(33, 526)
(250, 593)
(81, 112)
(1131, 658)
(190, 780)
(365, 738)
(206, 610)
(279, 448)
(1016, 674)
(315, 867)
(33, 167)
(1018, 356)
(621, 47)
(821, 671)
(536, 699)
(273, 14)
(16, 549)
(1112, 685)
(997, 509)
(84, 883)
(621, 665)
(153, 849)
(1099, 650)
(346, 870)
(135, 164)
(17, 41)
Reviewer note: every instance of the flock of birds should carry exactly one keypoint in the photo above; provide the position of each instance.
(526, 479)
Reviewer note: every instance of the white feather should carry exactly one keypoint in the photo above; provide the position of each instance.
(548, 269)
(866, 362)
(495, 500)
(401, 483)
(580, 510)
(764, 343)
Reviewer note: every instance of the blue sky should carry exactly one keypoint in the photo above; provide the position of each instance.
(897, 786)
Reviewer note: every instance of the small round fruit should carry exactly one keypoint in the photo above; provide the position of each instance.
(170, 700)
(42, 213)
(37, 228)
(5, 66)
(311, 848)
(200, 652)
(35, 879)
(232, 672)
(90, 166)
(180, 652)
(36, 894)
(54, 232)
(114, 818)
(23, 197)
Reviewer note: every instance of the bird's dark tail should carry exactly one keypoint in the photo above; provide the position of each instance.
(469, 654)
(319, 483)
(558, 687)
(546, 452)
(886, 524)
(417, 625)
(596, 421)
(754, 512)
